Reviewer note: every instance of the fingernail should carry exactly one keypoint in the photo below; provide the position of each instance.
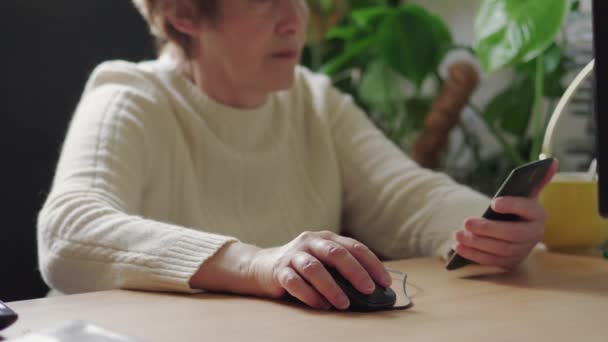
(369, 287)
(497, 204)
(470, 223)
(343, 303)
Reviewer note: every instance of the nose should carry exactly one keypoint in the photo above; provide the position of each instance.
(293, 17)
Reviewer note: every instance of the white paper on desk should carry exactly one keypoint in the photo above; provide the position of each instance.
(73, 331)
(475, 270)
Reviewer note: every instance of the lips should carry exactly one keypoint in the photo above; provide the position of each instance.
(286, 54)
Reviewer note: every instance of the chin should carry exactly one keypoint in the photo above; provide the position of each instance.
(283, 82)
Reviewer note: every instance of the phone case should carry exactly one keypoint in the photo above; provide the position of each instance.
(521, 182)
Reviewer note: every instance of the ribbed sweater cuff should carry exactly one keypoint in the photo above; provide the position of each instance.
(445, 249)
(178, 263)
(455, 208)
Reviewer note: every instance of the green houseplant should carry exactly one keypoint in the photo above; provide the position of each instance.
(388, 54)
(521, 35)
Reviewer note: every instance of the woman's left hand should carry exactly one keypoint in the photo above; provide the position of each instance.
(501, 243)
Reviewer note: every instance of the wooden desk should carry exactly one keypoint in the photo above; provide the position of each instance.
(551, 298)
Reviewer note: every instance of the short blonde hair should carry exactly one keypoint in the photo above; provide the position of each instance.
(155, 13)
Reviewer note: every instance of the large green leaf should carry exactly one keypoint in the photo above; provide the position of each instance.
(380, 84)
(511, 109)
(414, 42)
(552, 57)
(357, 4)
(352, 50)
(323, 6)
(509, 32)
(358, 35)
(554, 63)
(342, 32)
(367, 16)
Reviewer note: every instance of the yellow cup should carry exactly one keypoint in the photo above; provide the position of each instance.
(574, 222)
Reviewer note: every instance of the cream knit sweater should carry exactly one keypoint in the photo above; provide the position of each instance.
(154, 177)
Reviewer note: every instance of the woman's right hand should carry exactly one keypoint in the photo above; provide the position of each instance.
(298, 268)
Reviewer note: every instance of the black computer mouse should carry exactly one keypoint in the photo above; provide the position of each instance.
(381, 299)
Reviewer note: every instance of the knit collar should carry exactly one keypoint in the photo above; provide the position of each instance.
(206, 101)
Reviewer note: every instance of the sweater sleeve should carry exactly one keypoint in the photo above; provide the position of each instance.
(391, 204)
(89, 234)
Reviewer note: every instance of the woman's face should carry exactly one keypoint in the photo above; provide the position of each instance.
(254, 44)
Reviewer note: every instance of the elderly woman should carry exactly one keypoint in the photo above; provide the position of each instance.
(225, 166)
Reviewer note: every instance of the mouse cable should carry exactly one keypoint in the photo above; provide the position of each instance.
(409, 302)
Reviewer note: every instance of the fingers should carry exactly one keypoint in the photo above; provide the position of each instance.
(297, 287)
(514, 232)
(484, 258)
(357, 263)
(313, 271)
(337, 256)
(498, 243)
(370, 262)
(526, 208)
(490, 245)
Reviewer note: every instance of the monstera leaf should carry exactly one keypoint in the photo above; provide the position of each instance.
(509, 32)
(414, 42)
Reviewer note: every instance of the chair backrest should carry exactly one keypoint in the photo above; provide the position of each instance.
(51, 49)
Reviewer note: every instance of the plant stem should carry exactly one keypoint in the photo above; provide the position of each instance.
(538, 108)
(334, 65)
(401, 123)
(341, 75)
(515, 158)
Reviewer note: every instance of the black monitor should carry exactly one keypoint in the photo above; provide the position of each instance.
(600, 32)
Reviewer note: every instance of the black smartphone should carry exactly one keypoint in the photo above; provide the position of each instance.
(7, 316)
(521, 182)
